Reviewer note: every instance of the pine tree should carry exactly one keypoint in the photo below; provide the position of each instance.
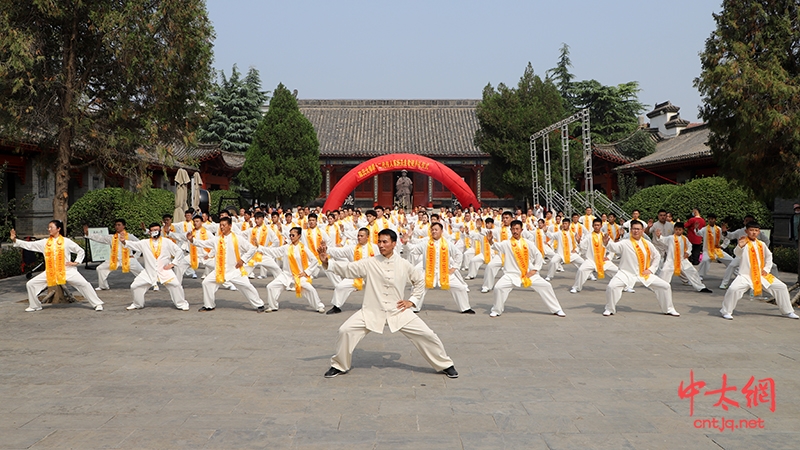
(507, 117)
(237, 110)
(282, 163)
(750, 83)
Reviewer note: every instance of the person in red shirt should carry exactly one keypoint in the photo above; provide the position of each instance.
(692, 225)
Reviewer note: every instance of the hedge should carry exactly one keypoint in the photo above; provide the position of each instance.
(710, 195)
(649, 200)
(785, 258)
(10, 262)
(101, 207)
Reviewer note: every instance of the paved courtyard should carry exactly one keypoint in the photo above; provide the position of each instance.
(160, 378)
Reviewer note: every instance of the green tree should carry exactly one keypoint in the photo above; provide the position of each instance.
(637, 145)
(750, 83)
(282, 163)
(613, 110)
(562, 77)
(100, 81)
(237, 106)
(507, 117)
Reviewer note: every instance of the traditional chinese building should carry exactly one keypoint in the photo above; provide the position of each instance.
(351, 132)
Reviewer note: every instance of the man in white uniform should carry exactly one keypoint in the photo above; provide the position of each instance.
(678, 251)
(231, 253)
(350, 253)
(522, 262)
(120, 258)
(59, 269)
(386, 276)
(440, 263)
(756, 263)
(596, 260)
(300, 266)
(638, 263)
(162, 263)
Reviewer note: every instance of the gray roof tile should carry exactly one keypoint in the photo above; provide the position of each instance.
(690, 144)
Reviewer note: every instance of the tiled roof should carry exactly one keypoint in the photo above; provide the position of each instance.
(368, 128)
(610, 153)
(676, 122)
(689, 145)
(205, 152)
(662, 108)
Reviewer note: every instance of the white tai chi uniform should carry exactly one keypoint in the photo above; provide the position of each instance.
(567, 247)
(286, 279)
(154, 271)
(177, 233)
(712, 251)
(733, 267)
(347, 286)
(232, 274)
(105, 268)
(629, 274)
(496, 263)
(384, 285)
(313, 238)
(744, 280)
(589, 265)
(258, 236)
(457, 288)
(74, 278)
(481, 253)
(681, 245)
(513, 275)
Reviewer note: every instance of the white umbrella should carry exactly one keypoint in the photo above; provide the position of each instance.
(182, 181)
(197, 184)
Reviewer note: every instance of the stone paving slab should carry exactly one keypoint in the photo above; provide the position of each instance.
(161, 378)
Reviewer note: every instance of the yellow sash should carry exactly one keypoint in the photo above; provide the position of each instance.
(444, 264)
(757, 265)
(540, 241)
(245, 225)
(156, 250)
(221, 254)
(678, 256)
(487, 250)
(358, 283)
(257, 242)
(315, 238)
(170, 231)
(193, 250)
(567, 247)
(599, 254)
(55, 261)
(503, 233)
(522, 256)
(713, 237)
(126, 254)
(613, 231)
(277, 233)
(337, 236)
(644, 262)
(587, 222)
(296, 268)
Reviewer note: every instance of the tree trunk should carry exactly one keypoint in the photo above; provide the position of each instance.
(66, 128)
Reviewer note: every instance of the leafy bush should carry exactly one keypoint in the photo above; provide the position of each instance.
(785, 258)
(101, 207)
(214, 207)
(10, 262)
(716, 195)
(649, 200)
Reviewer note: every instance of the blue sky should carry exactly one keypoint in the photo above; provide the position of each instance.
(452, 49)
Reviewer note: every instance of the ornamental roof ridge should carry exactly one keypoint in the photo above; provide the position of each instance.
(387, 103)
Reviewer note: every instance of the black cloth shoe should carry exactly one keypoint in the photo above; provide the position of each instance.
(334, 310)
(706, 290)
(260, 309)
(451, 372)
(204, 309)
(332, 372)
(468, 311)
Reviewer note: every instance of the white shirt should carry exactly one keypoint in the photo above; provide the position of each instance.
(246, 251)
(629, 263)
(154, 269)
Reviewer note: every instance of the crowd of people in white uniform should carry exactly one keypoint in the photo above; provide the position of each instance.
(441, 250)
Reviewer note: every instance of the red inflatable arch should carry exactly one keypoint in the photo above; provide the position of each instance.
(395, 162)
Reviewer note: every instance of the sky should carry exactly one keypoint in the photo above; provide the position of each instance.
(410, 49)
